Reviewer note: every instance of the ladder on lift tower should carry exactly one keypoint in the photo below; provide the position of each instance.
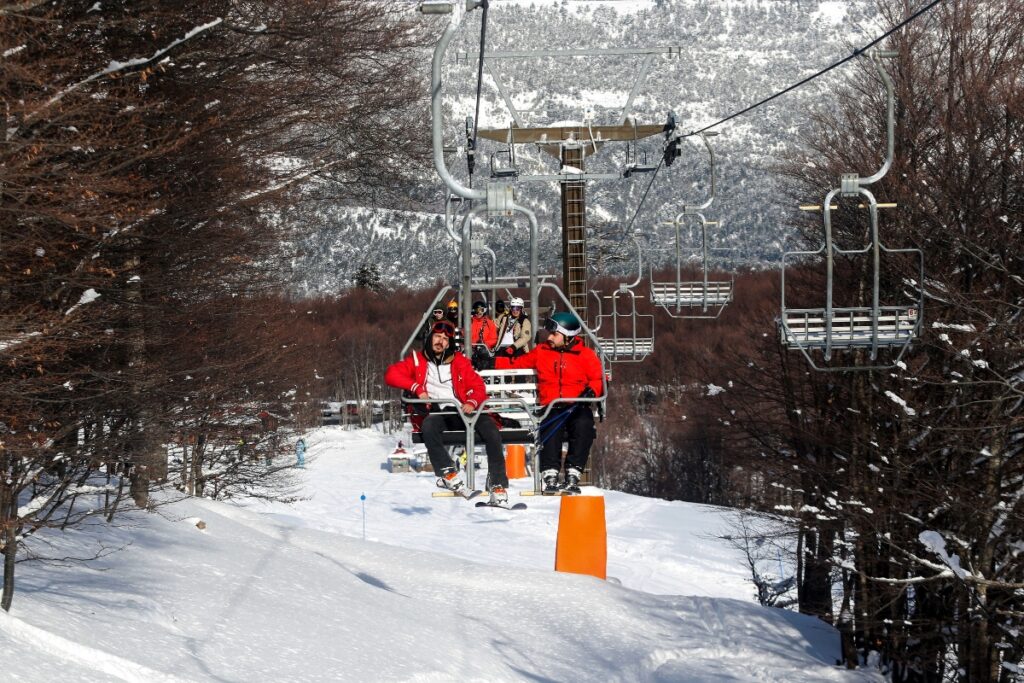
(868, 327)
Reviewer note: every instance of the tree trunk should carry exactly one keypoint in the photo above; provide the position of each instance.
(10, 553)
(816, 593)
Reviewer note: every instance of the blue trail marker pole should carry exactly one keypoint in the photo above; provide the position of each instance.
(362, 502)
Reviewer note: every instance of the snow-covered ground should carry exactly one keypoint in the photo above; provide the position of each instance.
(438, 591)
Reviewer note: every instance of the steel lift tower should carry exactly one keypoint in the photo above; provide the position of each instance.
(571, 145)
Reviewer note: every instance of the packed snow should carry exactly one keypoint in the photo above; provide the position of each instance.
(438, 590)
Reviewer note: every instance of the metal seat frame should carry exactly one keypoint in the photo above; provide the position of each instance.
(633, 157)
(873, 327)
(624, 349)
(710, 296)
(511, 171)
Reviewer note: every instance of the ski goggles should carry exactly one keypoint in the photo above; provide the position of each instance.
(553, 326)
(443, 327)
(438, 311)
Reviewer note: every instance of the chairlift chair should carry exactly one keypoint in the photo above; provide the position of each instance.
(892, 325)
(874, 327)
(696, 299)
(638, 342)
(705, 298)
(509, 168)
(636, 159)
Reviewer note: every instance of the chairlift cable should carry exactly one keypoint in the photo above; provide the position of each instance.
(855, 53)
(644, 198)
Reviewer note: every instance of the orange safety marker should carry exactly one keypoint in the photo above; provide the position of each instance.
(582, 546)
(515, 461)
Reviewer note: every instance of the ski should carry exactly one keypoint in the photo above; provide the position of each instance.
(559, 492)
(468, 494)
(506, 506)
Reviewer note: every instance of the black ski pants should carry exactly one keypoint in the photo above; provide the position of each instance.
(486, 431)
(578, 429)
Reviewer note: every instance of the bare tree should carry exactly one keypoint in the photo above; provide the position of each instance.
(148, 159)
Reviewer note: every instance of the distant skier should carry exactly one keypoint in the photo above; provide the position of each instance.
(484, 337)
(438, 372)
(514, 334)
(300, 453)
(436, 316)
(451, 314)
(565, 369)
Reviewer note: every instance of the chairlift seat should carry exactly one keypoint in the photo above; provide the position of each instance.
(508, 390)
(851, 327)
(626, 348)
(717, 293)
(507, 172)
(457, 437)
(638, 168)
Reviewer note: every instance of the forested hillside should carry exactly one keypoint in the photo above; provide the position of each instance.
(730, 54)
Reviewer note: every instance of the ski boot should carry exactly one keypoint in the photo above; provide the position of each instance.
(550, 479)
(450, 480)
(572, 481)
(499, 495)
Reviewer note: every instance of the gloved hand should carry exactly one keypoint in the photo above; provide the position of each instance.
(588, 393)
(510, 351)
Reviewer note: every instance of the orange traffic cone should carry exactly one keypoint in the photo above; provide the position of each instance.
(515, 461)
(582, 546)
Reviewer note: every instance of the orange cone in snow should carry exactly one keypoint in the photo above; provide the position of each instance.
(582, 546)
(515, 461)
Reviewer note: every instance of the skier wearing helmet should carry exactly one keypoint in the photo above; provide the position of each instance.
(567, 369)
(451, 314)
(483, 336)
(436, 316)
(514, 334)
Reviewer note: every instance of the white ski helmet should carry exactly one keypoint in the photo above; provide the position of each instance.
(515, 301)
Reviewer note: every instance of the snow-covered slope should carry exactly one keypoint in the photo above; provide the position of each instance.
(438, 591)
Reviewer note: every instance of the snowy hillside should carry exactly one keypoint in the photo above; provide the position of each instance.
(729, 54)
(437, 591)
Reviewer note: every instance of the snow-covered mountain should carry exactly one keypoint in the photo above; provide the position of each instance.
(731, 53)
(400, 587)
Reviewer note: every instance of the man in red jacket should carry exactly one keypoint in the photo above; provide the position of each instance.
(565, 369)
(438, 372)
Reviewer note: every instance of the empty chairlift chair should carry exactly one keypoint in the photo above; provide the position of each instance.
(695, 298)
(870, 325)
(623, 334)
(703, 298)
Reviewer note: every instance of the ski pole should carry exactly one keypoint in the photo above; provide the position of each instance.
(552, 426)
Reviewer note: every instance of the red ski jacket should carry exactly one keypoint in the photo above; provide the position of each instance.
(483, 331)
(563, 373)
(410, 374)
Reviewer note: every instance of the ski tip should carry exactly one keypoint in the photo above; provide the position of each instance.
(453, 494)
(488, 504)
